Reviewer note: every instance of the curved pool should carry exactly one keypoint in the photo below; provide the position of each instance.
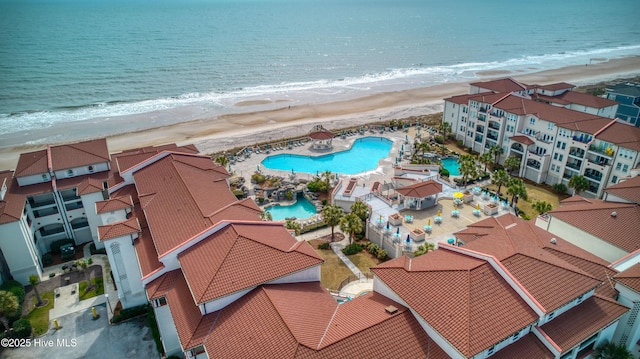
(451, 164)
(301, 209)
(363, 156)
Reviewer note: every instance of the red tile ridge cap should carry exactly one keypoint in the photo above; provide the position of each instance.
(546, 339)
(504, 272)
(604, 128)
(326, 329)
(49, 159)
(240, 202)
(627, 257)
(156, 158)
(501, 98)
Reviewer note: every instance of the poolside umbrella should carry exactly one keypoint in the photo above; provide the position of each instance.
(408, 239)
(402, 147)
(429, 222)
(438, 215)
(458, 194)
(398, 232)
(387, 225)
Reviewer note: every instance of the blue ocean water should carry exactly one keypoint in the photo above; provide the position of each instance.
(363, 156)
(74, 60)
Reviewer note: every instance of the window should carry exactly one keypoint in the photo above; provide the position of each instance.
(69, 173)
(618, 166)
(625, 168)
(553, 167)
(195, 351)
(614, 179)
(491, 350)
(560, 158)
(532, 121)
(90, 168)
(550, 126)
(515, 336)
(159, 302)
(45, 177)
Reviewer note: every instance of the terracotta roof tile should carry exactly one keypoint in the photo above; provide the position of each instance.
(186, 314)
(119, 229)
(579, 323)
(79, 154)
(421, 189)
(235, 259)
(113, 204)
(595, 217)
(90, 184)
(480, 294)
(527, 347)
(630, 277)
(32, 163)
(622, 134)
(522, 139)
(586, 99)
(501, 85)
(628, 189)
(160, 286)
(13, 204)
(557, 86)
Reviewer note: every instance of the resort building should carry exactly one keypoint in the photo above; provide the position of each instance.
(628, 97)
(555, 132)
(224, 283)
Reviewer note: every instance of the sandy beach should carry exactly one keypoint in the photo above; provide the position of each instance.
(247, 127)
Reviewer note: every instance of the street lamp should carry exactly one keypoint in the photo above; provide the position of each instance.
(106, 296)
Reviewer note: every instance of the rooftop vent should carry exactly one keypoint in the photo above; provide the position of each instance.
(553, 241)
(614, 214)
(391, 309)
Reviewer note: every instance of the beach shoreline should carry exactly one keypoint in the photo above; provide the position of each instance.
(252, 126)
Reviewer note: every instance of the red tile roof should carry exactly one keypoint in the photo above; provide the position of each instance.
(90, 184)
(119, 229)
(179, 193)
(13, 204)
(595, 217)
(580, 98)
(506, 84)
(32, 163)
(579, 323)
(235, 259)
(421, 189)
(79, 154)
(622, 134)
(114, 203)
(628, 189)
(527, 347)
(462, 296)
(127, 159)
(630, 277)
(522, 139)
(558, 86)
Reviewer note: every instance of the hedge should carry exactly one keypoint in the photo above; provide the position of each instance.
(130, 313)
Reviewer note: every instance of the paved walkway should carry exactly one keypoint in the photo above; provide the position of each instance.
(337, 249)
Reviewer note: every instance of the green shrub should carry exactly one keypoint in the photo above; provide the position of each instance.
(47, 259)
(444, 172)
(439, 139)
(324, 245)
(22, 328)
(130, 313)
(258, 178)
(382, 254)
(560, 188)
(15, 288)
(260, 200)
(153, 324)
(352, 248)
(55, 245)
(238, 193)
(497, 167)
(459, 143)
(51, 275)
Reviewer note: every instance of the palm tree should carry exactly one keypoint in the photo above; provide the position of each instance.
(332, 215)
(83, 266)
(424, 248)
(467, 168)
(516, 189)
(221, 160)
(486, 158)
(500, 178)
(609, 350)
(423, 147)
(496, 151)
(578, 183)
(291, 224)
(266, 216)
(327, 176)
(351, 224)
(8, 307)
(542, 207)
(444, 128)
(33, 280)
(360, 209)
(512, 163)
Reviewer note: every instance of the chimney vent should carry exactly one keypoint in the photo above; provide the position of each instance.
(391, 309)
(553, 240)
(614, 214)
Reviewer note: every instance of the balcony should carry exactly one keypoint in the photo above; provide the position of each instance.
(494, 125)
(70, 196)
(478, 139)
(582, 138)
(533, 164)
(45, 212)
(577, 152)
(41, 201)
(492, 136)
(482, 117)
(574, 165)
(79, 223)
(480, 129)
(73, 205)
(51, 229)
(484, 109)
(599, 161)
(567, 175)
(602, 151)
(593, 175)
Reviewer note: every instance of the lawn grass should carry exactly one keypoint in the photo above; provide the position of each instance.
(364, 261)
(333, 271)
(535, 193)
(97, 290)
(39, 317)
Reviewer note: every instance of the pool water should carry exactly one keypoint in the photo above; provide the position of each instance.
(301, 209)
(451, 164)
(361, 157)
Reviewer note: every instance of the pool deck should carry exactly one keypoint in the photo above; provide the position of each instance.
(383, 174)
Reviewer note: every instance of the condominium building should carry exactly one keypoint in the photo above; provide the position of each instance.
(628, 97)
(555, 132)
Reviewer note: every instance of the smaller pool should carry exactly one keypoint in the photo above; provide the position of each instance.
(301, 209)
(451, 165)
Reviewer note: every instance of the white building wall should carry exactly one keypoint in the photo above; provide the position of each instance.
(220, 303)
(33, 179)
(168, 332)
(126, 271)
(19, 251)
(307, 275)
(81, 171)
(89, 203)
(628, 330)
(585, 240)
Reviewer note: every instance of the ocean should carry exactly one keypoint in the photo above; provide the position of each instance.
(166, 61)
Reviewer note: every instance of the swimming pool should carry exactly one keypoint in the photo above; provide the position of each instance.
(361, 157)
(451, 165)
(301, 209)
